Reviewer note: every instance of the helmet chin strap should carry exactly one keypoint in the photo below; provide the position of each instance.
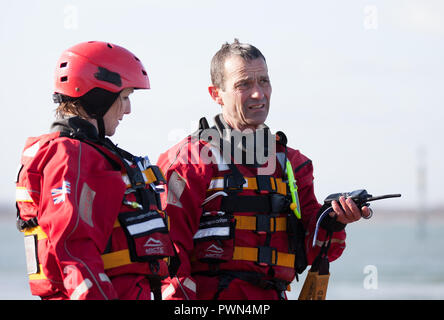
(95, 103)
(100, 127)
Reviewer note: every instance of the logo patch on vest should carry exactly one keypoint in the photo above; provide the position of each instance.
(152, 243)
(213, 251)
(153, 247)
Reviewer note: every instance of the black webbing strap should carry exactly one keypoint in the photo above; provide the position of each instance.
(235, 177)
(320, 263)
(254, 278)
(303, 164)
(156, 287)
(269, 203)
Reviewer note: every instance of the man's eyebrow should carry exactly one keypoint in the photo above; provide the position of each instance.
(244, 79)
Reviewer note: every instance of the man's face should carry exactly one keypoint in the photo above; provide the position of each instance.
(245, 100)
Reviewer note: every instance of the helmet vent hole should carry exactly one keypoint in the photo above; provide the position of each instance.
(136, 58)
(63, 64)
(144, 72)
(109, 46)
(64, 79)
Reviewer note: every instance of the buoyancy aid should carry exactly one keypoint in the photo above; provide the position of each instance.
(137, 241)
(247, 230)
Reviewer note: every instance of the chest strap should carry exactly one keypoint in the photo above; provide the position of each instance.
(150, 175)
(261, 223)
(264, 256)
(262, 184)
(270, 203)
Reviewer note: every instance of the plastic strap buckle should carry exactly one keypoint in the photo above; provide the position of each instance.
(231, 183)
(264, 184)
(265, 256)
(263, 224)
(136, 178)
(158, 174)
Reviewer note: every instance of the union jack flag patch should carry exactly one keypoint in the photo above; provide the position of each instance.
(58, 194)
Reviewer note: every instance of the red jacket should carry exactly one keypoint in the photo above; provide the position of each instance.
(194, 207)
(81, 240)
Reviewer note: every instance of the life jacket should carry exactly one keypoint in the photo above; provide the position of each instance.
(139, 242)
(247, 230)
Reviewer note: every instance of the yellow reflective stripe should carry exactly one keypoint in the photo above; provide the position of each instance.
(38, 276)
(217, 184)
(249, 223)
(116, 259)
(22, 195)
(148, 175)
(251, 254)
(37, 231)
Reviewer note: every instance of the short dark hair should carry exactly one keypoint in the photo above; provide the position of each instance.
(246, 51)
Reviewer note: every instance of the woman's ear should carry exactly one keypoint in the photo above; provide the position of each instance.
(215, 94)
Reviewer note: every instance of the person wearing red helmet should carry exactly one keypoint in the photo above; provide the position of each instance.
(90, 211)
(238, 233)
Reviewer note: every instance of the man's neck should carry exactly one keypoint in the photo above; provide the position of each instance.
(240, 127)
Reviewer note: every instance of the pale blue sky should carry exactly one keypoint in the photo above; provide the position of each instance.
(357, 85)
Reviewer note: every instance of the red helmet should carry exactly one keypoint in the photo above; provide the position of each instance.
(96, 64)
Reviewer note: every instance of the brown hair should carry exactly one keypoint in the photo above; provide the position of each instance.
(70, 108)
(244, 50)
(95, 103)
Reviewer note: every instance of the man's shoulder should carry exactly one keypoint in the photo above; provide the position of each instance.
(187, 149)
(302, 165)
(296, 156)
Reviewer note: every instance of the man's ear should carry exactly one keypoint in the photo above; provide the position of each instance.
(214, 93)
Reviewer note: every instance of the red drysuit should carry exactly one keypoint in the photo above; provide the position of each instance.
(233, 242)
(90, 231)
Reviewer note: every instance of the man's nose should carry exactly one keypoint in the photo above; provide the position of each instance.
(257, 91)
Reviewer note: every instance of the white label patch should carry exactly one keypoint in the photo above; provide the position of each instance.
(31, 254)
(176, 185)
(212, 232)
(145, 226)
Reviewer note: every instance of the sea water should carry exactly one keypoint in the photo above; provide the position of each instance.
(392, 259)
(396, 259)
